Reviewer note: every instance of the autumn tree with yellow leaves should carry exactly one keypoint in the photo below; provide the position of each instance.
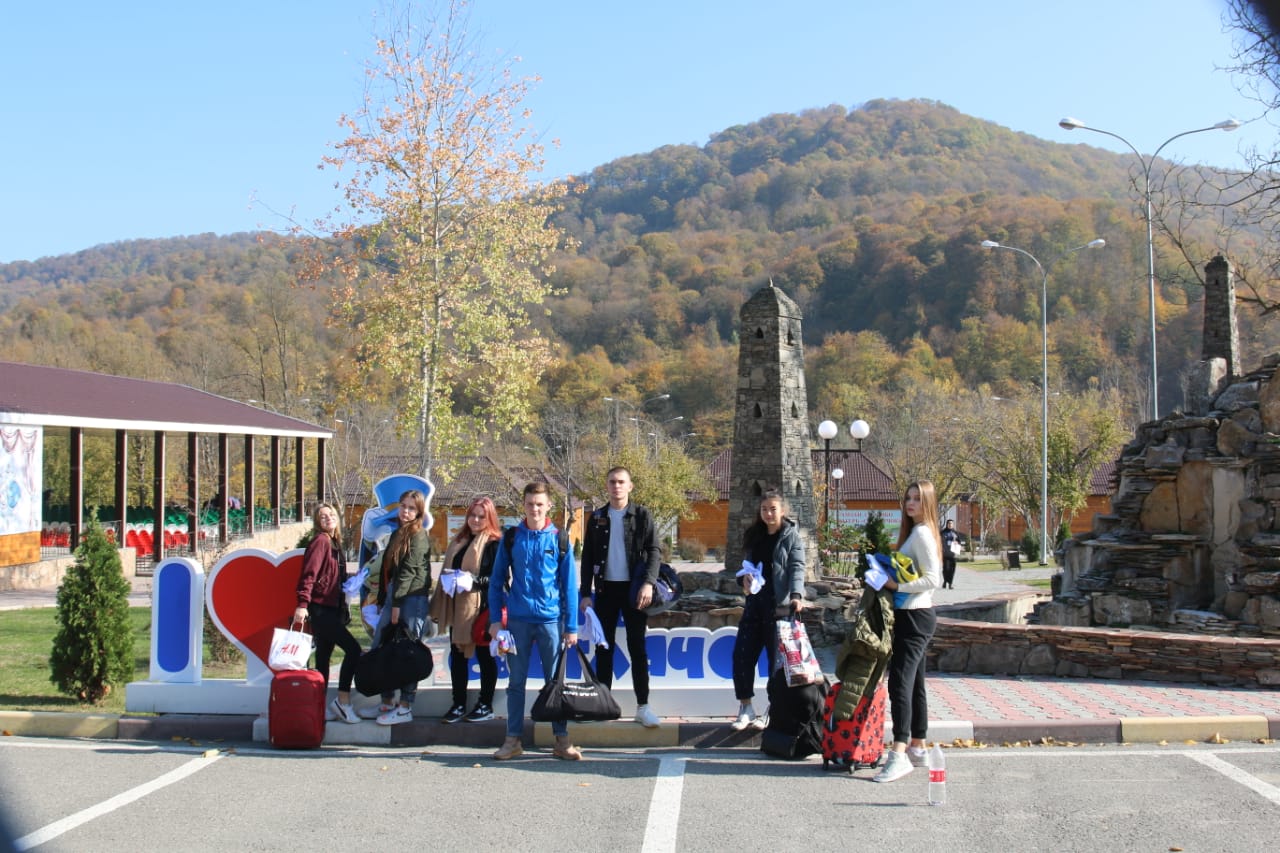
(444, 254)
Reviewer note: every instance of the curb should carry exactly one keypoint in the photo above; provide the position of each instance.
(622, 734)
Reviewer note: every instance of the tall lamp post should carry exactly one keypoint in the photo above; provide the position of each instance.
(837, 474)
(637, 407)
(827, 430)
(1044, 381)
(1147, 163)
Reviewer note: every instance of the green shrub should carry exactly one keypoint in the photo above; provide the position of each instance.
(876, 536)
(93, 649)
(1064, 533)
(692, 550)
(1031, 545)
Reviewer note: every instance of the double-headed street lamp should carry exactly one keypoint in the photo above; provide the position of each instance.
(1147, 163)
(828, 430)
(1044, 380)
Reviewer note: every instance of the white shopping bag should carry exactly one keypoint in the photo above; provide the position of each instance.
(290, 649)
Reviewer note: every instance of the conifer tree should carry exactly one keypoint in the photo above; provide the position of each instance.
(94, 646)
(874, 532)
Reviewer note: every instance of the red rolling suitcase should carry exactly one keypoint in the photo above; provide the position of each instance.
(850, 745)
(295, 713)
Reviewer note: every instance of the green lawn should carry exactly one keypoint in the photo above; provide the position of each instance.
(26, 637)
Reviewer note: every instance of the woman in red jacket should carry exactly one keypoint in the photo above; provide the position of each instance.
(321, 600)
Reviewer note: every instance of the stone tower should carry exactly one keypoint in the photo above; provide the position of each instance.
(1220, 349)
(1221, 334)
(771, 421)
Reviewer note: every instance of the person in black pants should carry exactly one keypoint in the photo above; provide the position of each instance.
(322, 601)
(913, 625)
(470, 553)
(950, 538)
(773, 559)
(620, 560)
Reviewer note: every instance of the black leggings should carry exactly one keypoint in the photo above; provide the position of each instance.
(757, 631)
(612, 598)
(460, 675)
(908, 701)
(328, 630)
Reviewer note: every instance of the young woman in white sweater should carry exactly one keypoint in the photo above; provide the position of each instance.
(913, 627)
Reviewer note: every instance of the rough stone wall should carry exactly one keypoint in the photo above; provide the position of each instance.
(1192, 542)
(990, 649)
(771, 420)
(714, 600)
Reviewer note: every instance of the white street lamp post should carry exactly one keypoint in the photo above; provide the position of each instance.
(827, 430)
(636, 407)
(1044, 381)
(1147, 162)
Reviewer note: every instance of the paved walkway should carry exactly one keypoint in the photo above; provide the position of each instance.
(991, 709)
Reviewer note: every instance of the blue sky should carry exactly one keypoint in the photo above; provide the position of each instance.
(156, 119)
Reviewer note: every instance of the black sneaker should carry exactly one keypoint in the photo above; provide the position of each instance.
(457, 712)
(480, 713)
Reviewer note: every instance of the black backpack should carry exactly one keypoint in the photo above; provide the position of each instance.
(509, 538)
(795, 718)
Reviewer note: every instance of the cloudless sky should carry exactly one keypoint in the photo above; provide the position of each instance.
(145, 119)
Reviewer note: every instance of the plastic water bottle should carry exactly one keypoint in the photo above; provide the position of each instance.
(937, 777)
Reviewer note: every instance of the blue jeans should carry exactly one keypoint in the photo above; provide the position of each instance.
(413, 615)
(548, 638)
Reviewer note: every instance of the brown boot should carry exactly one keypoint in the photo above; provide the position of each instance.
(564, 749)
(511, 747)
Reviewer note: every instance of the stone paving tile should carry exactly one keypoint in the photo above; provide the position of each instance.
(996, 698)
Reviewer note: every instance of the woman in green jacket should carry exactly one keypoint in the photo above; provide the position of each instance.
(402, 594)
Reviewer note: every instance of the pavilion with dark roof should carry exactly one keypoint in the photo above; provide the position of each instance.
(38, 401)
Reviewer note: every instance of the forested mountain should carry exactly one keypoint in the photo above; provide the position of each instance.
(870, 218)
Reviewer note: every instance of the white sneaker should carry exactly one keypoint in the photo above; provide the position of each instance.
(373, 712)
(646, 717)
(398, 714)
(345, 713)
(761, 722)
(918, 755)
(894, 769)
(746, 715)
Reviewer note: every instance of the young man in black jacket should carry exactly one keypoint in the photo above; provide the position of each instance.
(620, 559)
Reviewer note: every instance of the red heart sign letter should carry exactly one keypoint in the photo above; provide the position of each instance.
(250, 593)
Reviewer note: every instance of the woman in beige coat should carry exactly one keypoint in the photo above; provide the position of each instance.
(460, 606)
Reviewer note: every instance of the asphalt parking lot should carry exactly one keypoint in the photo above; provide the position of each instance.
(84, 795)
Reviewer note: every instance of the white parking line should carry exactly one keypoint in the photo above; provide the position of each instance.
(58, 827)
(664, 807)
(1271, 792)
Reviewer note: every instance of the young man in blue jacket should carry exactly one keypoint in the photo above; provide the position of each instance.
(534, 580)
(620, 559)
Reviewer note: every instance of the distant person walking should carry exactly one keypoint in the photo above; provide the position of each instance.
(950, 550)
(913, 625)
(620, 560)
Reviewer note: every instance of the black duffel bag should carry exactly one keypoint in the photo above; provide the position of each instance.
(398, 660)
(575, 701)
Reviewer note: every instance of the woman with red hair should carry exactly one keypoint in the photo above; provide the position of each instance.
(460, 606)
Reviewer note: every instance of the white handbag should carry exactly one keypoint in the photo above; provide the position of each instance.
(290, 649)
